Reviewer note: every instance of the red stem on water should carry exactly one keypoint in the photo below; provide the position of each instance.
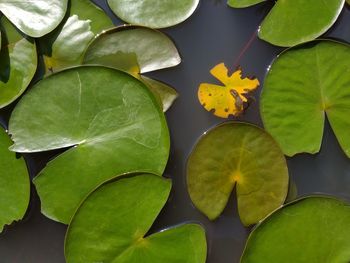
(245, 48)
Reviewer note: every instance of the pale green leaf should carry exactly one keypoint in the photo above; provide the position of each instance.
(154, 13)
(65, 47)
(34, 18)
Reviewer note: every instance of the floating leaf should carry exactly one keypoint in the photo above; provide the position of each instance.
(241, 155)
(228, 99)
(124, 211)
(293, 22)
(34, 18)
(18, 63)
(313, 229)
(302, 85)
(143, 48)
(154, 13)
(243, 3)
(167, 95)
(112, 127)
(137, 50)
(65, 47)
(14, 181)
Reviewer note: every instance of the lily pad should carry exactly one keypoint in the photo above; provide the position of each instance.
(314, 229)
(303, 85)
(305, 20)
(137, 50)
(164, 93)
(18, 63)
(237, 155)
(119, 214)
(112, 127)
(34, 18)
(154, 13)
(243, 3)
(14, 181)
(143, 48)
(64, 47)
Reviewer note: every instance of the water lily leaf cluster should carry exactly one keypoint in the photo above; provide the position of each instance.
(106, 122)
(154, 13)
(14, 182)
(123, 238)
(108, 128)
(313, 229)
(242, 156)
(293, 22)
(113, 127)
(229, 99)
(65, 46)
(303, 86)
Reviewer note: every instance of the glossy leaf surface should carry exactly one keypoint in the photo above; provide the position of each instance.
(164, 93)
(18, 63)
(302, 85)
(133, 49)
(124, 211)
(229, 99)
(237, 155)
(112, 127)
(34, 18)
(313, 230)
(154, 13)
(65, 46)
(137, 50)
(243, 3)
(14, 182)
(305, 21)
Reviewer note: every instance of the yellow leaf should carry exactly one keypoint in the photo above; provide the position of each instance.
(228, 99)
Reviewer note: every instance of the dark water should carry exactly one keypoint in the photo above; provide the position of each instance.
(214, 34)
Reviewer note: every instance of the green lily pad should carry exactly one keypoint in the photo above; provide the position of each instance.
(124, 211)
(18, 63)
(133, 49)
(164, 93)
(303, 85)
(305, 20)
(154, 13)
(137, 50)
(14, 181)
(312, 230)
(237, 155)
(34, 18)
(112, 127)
(243, 3)
(64, 47)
